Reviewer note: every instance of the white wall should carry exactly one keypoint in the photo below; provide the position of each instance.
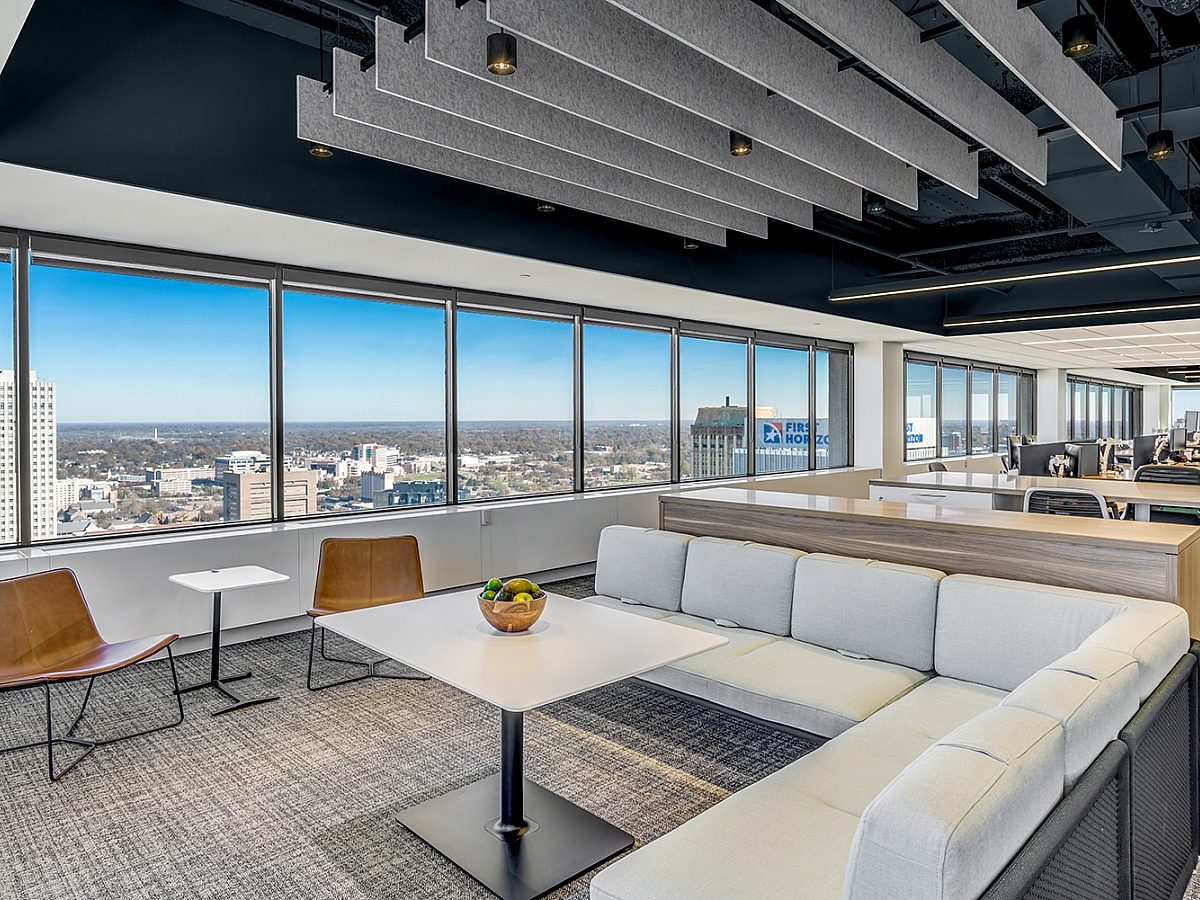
(1156, 408)
(879, 406)
(1052, 408)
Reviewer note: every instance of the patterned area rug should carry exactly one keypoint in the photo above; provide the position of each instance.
(298, 798)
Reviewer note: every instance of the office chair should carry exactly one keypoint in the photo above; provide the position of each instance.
(1068, 502)
(358, 573)
(1168, 475)
(48, 637)
(937, 467)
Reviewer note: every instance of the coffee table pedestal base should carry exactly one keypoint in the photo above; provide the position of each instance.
(562, 841)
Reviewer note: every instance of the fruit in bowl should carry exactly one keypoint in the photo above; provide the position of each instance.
(511, 606)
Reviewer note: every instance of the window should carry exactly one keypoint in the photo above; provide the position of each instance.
(969, 407)
(781, 423)
(920, 426)
(364, 403)
(981, 411)
(954, 411)
(833, 409)
(1183, 399)
(8, 408)
(626, 406)
(1101, 409)
(150, 402)
(516, 402)
(712, 408)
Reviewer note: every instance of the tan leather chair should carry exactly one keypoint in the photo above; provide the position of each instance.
(48, 636)
(358, 573)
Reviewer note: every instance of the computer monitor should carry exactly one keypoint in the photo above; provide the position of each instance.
(1034, 459)
(1143, 450)
(1191, 421)
(1178, 438)
(1086, 457)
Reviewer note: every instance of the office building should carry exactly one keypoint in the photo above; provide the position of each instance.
(247, 497)
(782, 407)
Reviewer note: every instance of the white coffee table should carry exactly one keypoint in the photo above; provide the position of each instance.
(217, 582)
(518, 839)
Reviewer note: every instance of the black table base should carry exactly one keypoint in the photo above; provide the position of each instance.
(215, 679)
(515, 837)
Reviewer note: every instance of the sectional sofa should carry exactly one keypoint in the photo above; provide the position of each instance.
(980, 737)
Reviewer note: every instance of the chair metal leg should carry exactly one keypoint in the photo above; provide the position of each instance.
(91, 745)
(369, 666)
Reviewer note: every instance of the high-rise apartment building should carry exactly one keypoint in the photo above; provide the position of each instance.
(43, 456)
(716, 433)
(374, 482)
(242, 461)
(247, 495)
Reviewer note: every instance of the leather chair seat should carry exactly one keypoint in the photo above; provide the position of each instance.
(97, 660)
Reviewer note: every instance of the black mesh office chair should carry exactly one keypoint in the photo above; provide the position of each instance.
(1168, 475)
(937, 467)
(1068, 502)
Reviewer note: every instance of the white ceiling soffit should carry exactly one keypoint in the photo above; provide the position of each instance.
(1021, 42)
(317, 122)
(455, 38)
(756, 44)
(402, 69)
(889, 42)
(355, 97)
(601, 36)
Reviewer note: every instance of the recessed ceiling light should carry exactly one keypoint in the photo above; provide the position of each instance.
(689, 244)
(1160, 145)
(545, 207)
(739, 144)
(320, 151)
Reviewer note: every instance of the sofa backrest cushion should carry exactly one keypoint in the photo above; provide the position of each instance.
(876, 609)
(1092, 693)
(997, 632)
(1154, 633)
(642, 565)
(740, 583)
(947, 825)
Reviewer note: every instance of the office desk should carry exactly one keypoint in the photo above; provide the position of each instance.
(978, 490)
(1138, 559)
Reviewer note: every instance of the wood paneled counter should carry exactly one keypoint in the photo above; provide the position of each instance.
(1139, 559)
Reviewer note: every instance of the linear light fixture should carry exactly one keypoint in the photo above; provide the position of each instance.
(939, 287)
(1041, 317)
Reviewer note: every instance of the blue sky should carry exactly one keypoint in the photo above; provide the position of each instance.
(125, 348)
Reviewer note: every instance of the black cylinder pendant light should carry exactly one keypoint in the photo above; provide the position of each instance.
(501, 53)
(1079, 35)
(739, 144)
(1160, 143)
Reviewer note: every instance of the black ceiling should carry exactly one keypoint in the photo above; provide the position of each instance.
(196, 97)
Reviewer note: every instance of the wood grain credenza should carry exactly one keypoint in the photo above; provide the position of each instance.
(1138, 559)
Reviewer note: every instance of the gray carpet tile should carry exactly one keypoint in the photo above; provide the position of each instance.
(298, 798)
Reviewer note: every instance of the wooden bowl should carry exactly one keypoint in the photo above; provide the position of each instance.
(512, 617)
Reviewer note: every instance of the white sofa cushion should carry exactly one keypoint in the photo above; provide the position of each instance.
(785, 681)
(746, 584)
(1092, 693)
(1154, 633)
(641, 564)
(950, 823)
(880, 610)
(998, 632)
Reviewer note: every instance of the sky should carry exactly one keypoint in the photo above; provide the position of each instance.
(128, 348)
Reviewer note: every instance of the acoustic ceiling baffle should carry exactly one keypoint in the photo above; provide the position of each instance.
(748, 39)
(1019, 40)
(355, 97)
(889, 42)
(452, 39)
(404, 70)
(317, 122)
(607, 39)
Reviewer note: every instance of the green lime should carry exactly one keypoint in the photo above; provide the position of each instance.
(535, 590)
(494, 585)
(489, 595)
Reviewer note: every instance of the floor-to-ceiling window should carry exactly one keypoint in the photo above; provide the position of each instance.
(8, 401)
(781, 400)
(1102, 409)
(832, 408)
(956, 407)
